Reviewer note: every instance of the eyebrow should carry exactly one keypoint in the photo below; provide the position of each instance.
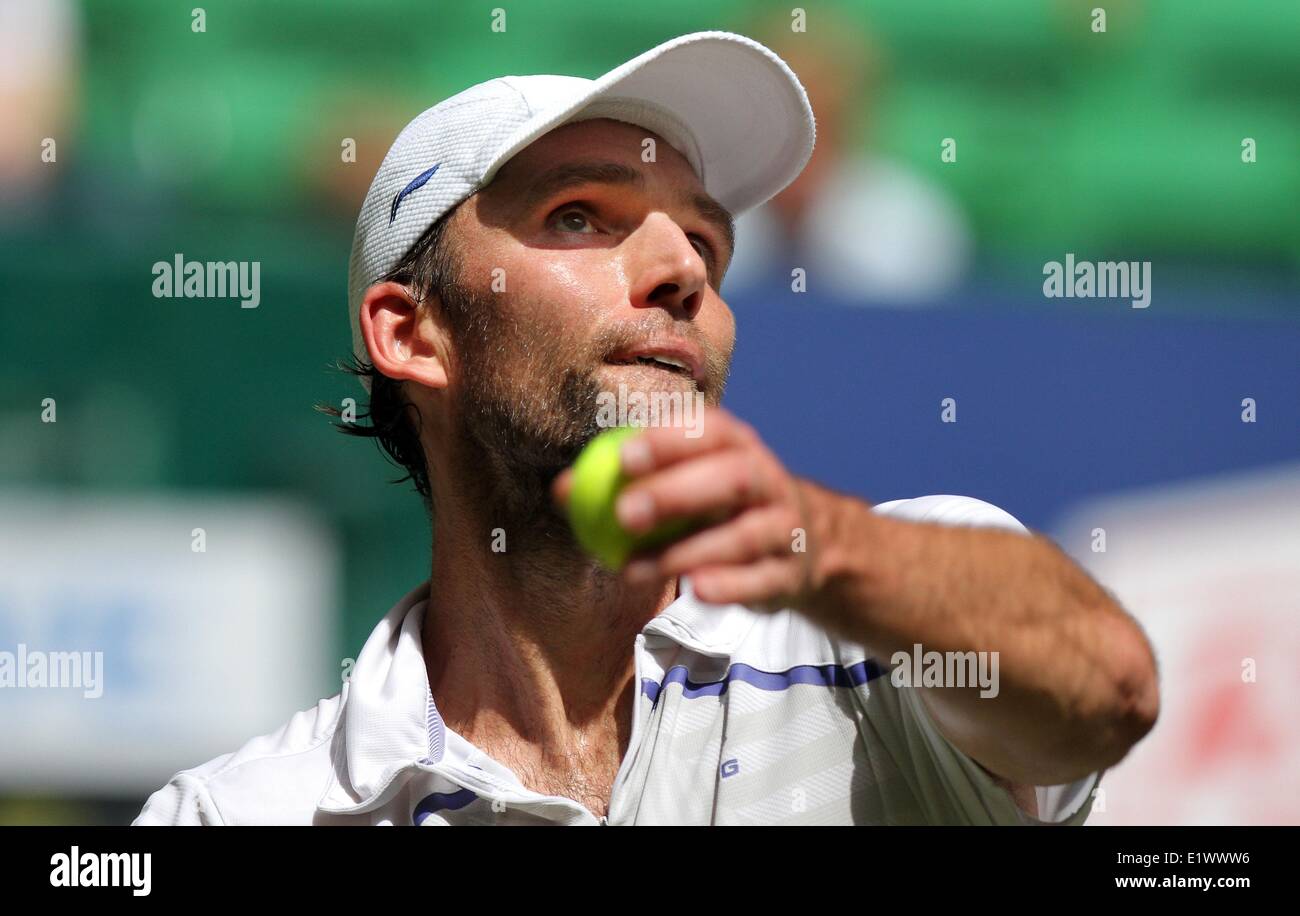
(573, 174)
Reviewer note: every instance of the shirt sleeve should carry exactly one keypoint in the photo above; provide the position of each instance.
(183, 802)
(959, 790)
(953, 787)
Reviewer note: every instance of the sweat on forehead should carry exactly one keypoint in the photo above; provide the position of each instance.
(603, 151)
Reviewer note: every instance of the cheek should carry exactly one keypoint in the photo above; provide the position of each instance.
(568, 296)
(554, 305)
(721, 329)
(588, 281)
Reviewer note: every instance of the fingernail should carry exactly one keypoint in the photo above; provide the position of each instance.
(635, 455)
(635, 510)
(640, 571)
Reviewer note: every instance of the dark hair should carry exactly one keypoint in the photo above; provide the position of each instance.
(429, 267)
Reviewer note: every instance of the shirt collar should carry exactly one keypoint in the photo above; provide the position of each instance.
(390, 722)
(709, 629)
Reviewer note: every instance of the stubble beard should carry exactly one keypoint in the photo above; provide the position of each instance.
(525, 424)
(521, 426)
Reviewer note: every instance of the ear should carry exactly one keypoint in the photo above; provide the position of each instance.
(404, 341)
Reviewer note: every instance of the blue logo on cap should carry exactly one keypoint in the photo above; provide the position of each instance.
(415, 185)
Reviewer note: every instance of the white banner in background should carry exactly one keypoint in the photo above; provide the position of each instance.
(1211, 569)
(127, 653)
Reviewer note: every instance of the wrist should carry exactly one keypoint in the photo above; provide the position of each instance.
(845, 564)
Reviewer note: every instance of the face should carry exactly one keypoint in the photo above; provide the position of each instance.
(581, 268)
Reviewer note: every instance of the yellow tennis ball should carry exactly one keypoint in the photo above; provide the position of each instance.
(597, 481)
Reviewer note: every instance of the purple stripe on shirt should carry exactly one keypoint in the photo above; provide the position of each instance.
(817, 675)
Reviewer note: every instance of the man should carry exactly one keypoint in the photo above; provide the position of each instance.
(528, 245)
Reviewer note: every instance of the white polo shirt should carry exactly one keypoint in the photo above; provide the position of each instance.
(741, 718)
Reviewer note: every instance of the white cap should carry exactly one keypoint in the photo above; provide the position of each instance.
(725, 102)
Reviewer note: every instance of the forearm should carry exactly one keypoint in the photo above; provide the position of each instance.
(1076, 679)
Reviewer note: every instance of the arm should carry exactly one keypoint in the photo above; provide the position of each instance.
(1077, 681)
(1077, 677)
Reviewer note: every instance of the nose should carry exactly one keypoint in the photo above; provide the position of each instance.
(671, 274)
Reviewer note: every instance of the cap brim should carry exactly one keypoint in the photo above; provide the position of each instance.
(747, 114)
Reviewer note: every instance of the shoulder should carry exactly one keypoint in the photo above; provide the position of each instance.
(787, 638)
(950, 510)
(276, 778)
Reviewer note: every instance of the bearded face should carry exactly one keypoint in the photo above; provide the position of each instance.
(580, 271)
(526, 394)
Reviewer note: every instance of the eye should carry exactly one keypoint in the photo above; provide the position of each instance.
(705, 249)
(708, 254)
(571, 217)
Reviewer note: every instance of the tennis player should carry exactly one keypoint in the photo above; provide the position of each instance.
(528, 246)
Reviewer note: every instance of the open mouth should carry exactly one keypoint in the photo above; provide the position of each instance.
(667, 363)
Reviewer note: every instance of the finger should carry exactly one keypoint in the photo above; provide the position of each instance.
(747, 538)
(721, 482)
(561, 487)
(661, 446)
(760, 585)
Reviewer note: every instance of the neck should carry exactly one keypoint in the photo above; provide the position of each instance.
(531, 644)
